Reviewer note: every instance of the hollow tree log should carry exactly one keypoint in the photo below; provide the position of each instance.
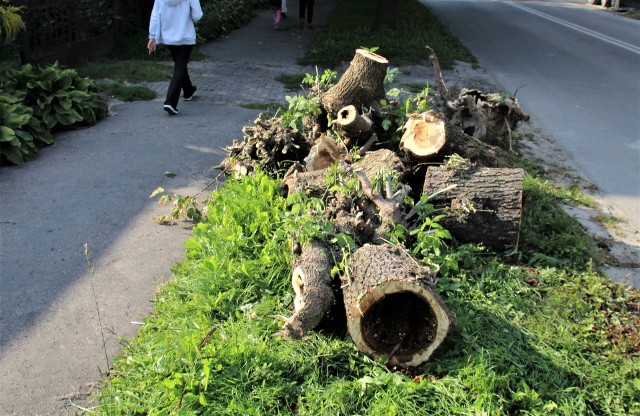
(353, 124)
(311, 281)
(485, 206)
(391, 307)
(424, 135)
(362, 84)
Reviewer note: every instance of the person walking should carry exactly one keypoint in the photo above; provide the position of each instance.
(172, 24)
(306, 10)
(276, 5)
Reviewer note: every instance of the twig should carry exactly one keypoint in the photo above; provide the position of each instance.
(95, 298)
(442, 87)
(365, 147)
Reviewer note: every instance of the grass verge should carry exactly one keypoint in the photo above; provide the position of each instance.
(352, 25)
(545, 334)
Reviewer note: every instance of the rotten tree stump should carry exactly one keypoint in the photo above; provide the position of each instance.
(362, 84)
(485, 206)
(391, 307)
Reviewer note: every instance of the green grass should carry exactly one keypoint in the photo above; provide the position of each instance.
(291, 82)
(531, 337)
(351, 26)
(130, 71)
(126, 92)
(271, 108)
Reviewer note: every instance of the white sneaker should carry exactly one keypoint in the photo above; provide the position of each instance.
(190, 97)
(169, 109)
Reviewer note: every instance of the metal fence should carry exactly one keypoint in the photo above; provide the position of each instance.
(68, 30)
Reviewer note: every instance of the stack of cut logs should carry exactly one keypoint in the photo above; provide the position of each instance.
(392, 307)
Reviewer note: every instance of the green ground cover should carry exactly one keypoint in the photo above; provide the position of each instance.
(544, 335)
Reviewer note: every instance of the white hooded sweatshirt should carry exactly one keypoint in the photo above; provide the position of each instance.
(172, 21)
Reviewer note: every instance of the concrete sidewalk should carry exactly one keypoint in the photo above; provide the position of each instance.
(92, 186)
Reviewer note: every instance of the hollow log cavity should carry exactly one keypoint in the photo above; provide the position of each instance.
(392, 310)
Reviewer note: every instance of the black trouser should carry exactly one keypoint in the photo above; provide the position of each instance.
(180, 80)
(306, 6)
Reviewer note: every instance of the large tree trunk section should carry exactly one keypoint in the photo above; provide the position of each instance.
(391, 308)
(311, 281)
(424, 136)
(485, 206)
(362, 84)
(383, 160)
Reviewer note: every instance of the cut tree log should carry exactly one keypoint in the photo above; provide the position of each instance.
(424, 135)
(477, 152)
(485, 206)
(391, 307)
(311, 281)
(362, 84)
(353, 124)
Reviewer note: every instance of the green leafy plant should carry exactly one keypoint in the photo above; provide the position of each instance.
(59, 97)
(183, 207)
(396, 112)
(20, 131)
(299, 108)
(10, 19)
(321, 82)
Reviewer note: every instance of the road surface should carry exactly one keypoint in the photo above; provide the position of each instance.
(576, 70)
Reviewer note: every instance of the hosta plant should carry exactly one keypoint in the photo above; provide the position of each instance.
(60, 97)
(20, 131)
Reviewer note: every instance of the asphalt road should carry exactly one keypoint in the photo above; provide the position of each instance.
(576, 70)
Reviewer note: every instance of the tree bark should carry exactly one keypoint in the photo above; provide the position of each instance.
(477, 152)
(362, 84)
(311, 281)
(484, 207)
(353, 125)
(424, 136)
(391, 308)
(322, 154)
